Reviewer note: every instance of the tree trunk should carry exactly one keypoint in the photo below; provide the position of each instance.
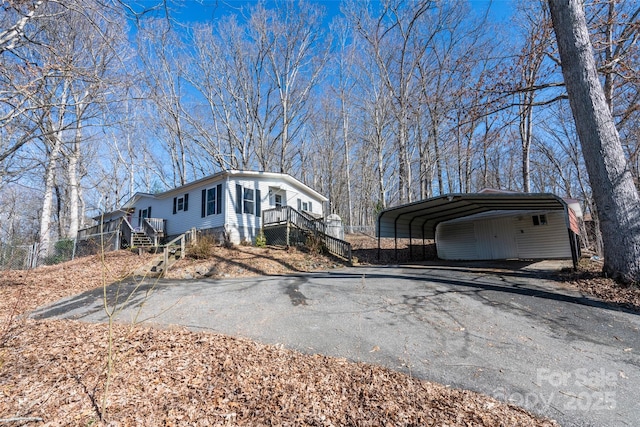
(47, 201)
(526, 136)
(380, 152)
(403, 170)
(347, 163)
(613, 189)
(74, 193)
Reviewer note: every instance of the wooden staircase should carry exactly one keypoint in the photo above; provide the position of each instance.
(147, 233)
(174, 253)
(141, 240)
(171, 253)
(288, 218)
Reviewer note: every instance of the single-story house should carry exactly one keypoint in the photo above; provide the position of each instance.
(489, 225)
(228, 204)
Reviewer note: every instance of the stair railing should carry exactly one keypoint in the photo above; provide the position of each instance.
(154, 229)
(336, 246)
(127, 231)
(167, 248)
(285, 214)
(306, 222)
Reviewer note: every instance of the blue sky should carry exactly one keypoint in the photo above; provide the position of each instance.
(204, 10)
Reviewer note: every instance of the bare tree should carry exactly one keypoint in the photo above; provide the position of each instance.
(391, 36)
(611, 181)
(615, 32)
(344, 91)
(236, 122)
(295, 58)
(531, 69)
(60, 81)
(160, 50)
(373, 104)
(21, 12)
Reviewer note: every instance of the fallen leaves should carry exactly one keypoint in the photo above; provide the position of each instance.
(590, 280)
(24, 290)
(55, 370)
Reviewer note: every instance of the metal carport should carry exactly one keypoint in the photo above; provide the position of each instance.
(419, 219)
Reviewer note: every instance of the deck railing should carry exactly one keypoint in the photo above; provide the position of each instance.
(150, 225)
(154, 228)
(284, 214)
(156, 224)
(106, 227)
(307, 223)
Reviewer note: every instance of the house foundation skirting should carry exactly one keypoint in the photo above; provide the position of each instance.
(284, 235)
(224, 234)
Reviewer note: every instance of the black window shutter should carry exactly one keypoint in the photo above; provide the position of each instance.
(219, 199)
(203, 204)
(149, 212)
(186, 202)
(258, 203)
(310, 207)
(175, 202)
(238, 198)
(299, 205)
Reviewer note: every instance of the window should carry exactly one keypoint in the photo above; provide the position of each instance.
(539, 219)
(277, 200)
(304, 206)
(211, 201)
(247, 200)
(181, 204)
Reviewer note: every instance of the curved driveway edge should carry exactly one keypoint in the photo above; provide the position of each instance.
(508, 334)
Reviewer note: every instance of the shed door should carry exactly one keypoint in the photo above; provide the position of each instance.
(495, 238)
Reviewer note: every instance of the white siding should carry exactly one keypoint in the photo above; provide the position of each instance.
(240, 226)
(495, 238)
(183, 221)
(456, 240)
(513, 236)
(246, 226)
(542, 241)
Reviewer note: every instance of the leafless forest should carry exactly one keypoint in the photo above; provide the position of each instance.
(376, 104)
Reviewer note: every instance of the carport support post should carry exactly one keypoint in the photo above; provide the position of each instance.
(379, 219)
(411, 239)
(424, 245)
(574, 249)
(395, 239)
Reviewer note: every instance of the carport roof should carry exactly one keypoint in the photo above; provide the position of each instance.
(419, 219)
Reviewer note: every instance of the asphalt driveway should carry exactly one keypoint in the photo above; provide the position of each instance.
(506, 333)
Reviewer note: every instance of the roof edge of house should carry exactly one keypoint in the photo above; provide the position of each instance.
(216, 176)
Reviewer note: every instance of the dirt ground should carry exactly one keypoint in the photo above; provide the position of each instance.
(61, 372)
